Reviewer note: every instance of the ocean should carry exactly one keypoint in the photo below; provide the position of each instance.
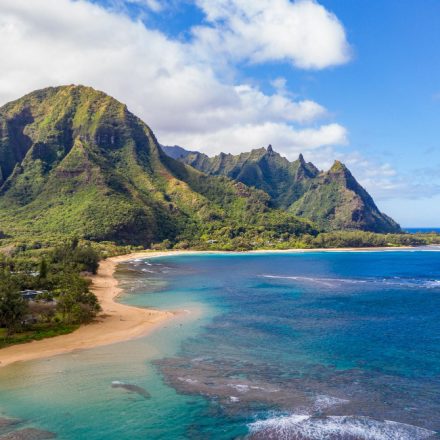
(298, 346)
(422, 230)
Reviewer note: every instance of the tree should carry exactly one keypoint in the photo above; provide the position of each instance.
(12, 306)
(43, 269)
(87, 258)
(76, 257)
(44, 311)
(74, 243)
(76, 303)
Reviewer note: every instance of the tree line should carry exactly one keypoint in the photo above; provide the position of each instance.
(61, 294)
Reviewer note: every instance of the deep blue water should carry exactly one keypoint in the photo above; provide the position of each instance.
(422, 230)
(337, 346)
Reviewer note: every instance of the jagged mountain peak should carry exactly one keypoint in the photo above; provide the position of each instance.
(339, 168)
(75, 161)
(333, 199)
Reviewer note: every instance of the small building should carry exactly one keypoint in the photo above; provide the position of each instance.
(31, 295)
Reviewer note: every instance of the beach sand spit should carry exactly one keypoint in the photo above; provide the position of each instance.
(117, 322)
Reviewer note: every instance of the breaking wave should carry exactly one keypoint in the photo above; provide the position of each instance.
(332, 282)
(304, 427)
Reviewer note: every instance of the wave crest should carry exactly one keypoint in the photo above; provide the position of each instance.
(333, 282)
(304, 427)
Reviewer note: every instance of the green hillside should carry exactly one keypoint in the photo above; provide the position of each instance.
(334, 200)
(75, 162)
(283, 180)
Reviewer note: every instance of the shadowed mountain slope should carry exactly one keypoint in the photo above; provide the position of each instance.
(333, 200)
(75, 162)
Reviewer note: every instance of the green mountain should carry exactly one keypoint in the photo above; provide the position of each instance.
(284, 181)
(333, 200)
(177, 152)
(75, 162)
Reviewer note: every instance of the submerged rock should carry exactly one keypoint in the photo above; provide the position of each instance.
(131, 388)
(28, 434)
(8, 422)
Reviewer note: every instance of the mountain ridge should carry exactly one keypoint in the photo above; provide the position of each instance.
(76, 162)
(332, 199)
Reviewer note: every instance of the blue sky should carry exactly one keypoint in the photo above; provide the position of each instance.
(335, 79)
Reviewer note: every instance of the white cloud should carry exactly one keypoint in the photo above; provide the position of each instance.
(302, 32)
(381, 179)
(154, 5)
(180, 95)
(284, 138)
(280, 85)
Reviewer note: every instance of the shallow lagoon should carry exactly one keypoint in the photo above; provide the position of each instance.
(297, 346)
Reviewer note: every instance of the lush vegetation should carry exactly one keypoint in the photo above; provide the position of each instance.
(362, 239)
(262, 168)
(45, 293)
(59, 272)
(240, 239)
(76, 162)
(333, 200)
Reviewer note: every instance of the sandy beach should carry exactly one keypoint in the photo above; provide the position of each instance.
(117, 322)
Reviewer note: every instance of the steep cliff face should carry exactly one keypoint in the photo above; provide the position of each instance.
(75, 161)
(176, 152)
(262, 168)
(333, 200)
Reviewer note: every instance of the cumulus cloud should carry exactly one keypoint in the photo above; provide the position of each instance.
(285, 139)
(164, 81)
(302, 32)
(141, 6)
(154, 5)
(381, 179)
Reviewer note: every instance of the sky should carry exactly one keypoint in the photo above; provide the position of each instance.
(357, 81)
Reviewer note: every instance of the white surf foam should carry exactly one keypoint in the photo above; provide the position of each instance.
(322, 402)
(362, 428)
(396, 281)
(188, 380)
(241, 388)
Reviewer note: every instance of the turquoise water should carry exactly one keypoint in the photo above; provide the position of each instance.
(286, 346)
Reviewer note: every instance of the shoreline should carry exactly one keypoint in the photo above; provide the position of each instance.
(119, 322)
(116, 323)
